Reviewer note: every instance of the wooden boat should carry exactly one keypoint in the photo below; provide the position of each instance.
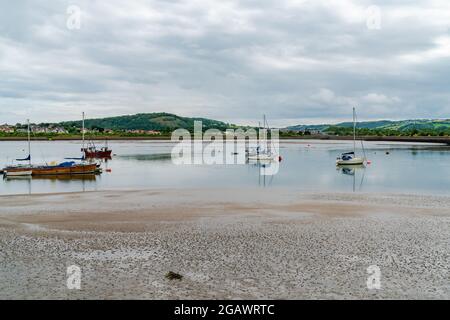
(66, 168)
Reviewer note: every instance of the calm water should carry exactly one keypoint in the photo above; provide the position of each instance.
(308, 165)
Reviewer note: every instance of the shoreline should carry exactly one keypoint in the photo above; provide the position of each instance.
(227, 243)
(437, 140)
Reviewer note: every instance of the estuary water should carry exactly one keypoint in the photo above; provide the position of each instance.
(306, 165)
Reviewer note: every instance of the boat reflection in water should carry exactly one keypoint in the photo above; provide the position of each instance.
(352, 170)
(264, 179)
(77, 182)
(64, 177)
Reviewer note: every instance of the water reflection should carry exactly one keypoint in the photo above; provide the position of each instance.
(353, 170)
(142, 165)
(67, 178)
(264, 180)
(59, 183)
(23, 181)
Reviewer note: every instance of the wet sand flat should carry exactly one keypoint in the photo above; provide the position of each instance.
(227, 244)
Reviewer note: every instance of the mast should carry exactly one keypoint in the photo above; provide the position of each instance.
(82, 130)
(29, 142)
(265, 133)
(354, 130)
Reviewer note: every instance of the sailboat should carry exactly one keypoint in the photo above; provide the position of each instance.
(63, 168)
(21, 170)
(350, 158)
(261, 154)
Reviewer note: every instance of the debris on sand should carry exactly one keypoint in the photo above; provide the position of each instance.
(173, 276)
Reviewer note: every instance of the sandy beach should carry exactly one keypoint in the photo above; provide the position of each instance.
(226, 243)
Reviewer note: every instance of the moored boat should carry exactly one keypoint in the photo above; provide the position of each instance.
(350, 158)
(91, 151)
(17, 171)
(21, 170)
(68, 168)
(263, 157)
(263, 152)
(65, 168)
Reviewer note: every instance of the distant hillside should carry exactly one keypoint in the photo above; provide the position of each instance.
(147, 121)
(402, 125)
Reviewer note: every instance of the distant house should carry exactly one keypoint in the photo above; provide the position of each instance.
(153, 132)
(146, 132)
(7, 128)
(303, 131)
(47, 129)
(314, 131)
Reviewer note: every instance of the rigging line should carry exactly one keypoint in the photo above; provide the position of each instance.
(362, 178)
(271, 140)
(364, 150)
(271, 180)
(40, 149)
(361, 139)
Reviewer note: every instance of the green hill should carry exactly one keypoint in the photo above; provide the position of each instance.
(401, 126)
(164, 122)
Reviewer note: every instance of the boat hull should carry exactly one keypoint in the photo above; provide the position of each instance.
(354, 161)
(17, 173)
(57, 170)
(262, 157)
(98, 154)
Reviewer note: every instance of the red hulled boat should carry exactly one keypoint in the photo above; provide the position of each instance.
(94, 153)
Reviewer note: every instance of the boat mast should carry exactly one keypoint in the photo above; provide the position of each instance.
(354, 130)
(265, 133)
(82, 130)
(29, 142)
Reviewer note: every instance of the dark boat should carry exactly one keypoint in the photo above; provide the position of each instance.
(93, 153)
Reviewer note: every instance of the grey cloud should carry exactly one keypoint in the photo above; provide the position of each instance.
(232, 60)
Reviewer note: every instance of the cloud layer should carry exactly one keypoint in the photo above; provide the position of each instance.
(297, 61)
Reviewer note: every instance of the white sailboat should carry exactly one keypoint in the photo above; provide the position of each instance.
(261, 154)
(21, 170)
(350, 158)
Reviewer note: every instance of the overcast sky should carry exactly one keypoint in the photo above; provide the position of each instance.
(297, 61)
